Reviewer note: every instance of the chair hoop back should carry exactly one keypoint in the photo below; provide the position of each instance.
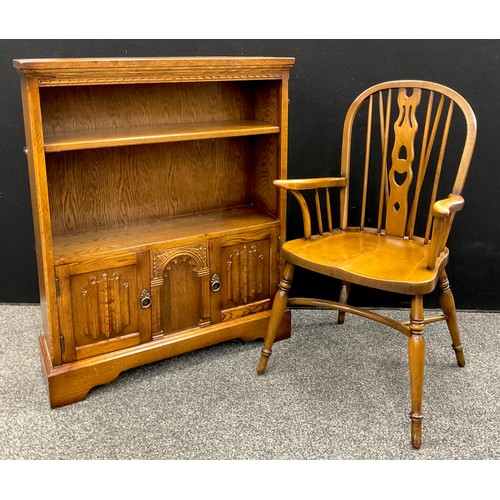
(412, 154)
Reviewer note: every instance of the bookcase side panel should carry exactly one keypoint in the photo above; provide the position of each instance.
(41, 216)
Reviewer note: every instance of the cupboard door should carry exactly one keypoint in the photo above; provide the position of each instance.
(245, 270)
(104, 305)
(180, 288)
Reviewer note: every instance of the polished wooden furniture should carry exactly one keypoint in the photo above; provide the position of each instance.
(157, 223)
(411, 143)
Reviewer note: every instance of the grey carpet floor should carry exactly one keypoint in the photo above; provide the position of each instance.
(330, 393)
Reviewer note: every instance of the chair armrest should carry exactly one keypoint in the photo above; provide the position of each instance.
(301, 184)
(442, 211)
(444, 208)
(294, 186)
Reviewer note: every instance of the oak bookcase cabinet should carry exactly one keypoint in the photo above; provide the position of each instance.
(157, 225)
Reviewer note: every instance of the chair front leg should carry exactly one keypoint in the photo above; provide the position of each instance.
(279, 306)
(416, 360)
(447, 303)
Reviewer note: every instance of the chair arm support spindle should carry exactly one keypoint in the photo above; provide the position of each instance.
(306, 216)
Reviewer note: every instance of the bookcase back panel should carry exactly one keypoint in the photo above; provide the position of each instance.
(265, 194)
(109, 187)
(97, 107)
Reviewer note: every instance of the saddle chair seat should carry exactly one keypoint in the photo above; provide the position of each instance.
(368, 258)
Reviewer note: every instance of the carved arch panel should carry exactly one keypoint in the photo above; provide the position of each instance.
(180, 289)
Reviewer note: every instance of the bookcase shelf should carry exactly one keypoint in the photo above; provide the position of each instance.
(110, 137)
(69, 248)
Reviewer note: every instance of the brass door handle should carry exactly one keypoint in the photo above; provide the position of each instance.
(145, 299)
(215, 283)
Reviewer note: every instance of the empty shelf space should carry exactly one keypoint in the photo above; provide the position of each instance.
(141, 235)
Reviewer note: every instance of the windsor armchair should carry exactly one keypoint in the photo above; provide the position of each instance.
(395, 135)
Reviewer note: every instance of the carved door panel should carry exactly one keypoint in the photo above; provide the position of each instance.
(246, 267)
(105, 307)
(180, 288)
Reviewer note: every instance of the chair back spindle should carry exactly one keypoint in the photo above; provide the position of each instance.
(318, 212)
(367, 162)
(384, 131)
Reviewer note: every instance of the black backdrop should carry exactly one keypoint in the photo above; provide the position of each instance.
(327, 76)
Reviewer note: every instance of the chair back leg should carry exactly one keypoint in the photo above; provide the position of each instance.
(447, 303)
(344, 294)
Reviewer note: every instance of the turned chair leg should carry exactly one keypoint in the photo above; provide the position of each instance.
(344, 294)
(447, 303)
(416, 359)
(279, 306)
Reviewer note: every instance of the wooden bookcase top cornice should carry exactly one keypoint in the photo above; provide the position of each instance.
(88, 71)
